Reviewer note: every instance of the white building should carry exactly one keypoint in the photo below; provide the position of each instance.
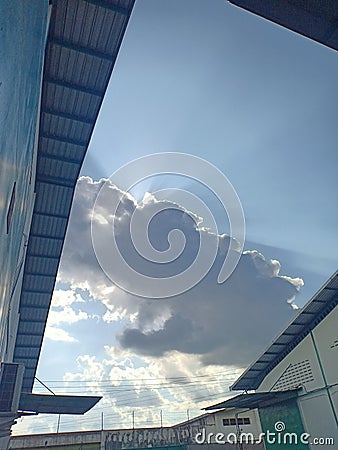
(226, 421)
(296, 379)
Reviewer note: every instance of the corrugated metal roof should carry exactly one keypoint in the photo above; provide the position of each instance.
(317, 20)
(57, 404)
(255, 400)
(323, 302)
(83, 42)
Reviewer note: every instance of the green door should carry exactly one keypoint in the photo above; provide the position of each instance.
(283, 426)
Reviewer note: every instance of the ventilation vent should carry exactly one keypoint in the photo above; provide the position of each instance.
(334, 344)
(294, 376)
(10, 386)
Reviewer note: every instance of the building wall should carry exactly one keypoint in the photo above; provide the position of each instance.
(149, 437)
(96, 446)
(320, 407)
(93, 440)
(185, 433)
(90, 440)
(254, 427)
(178, 437)
(244, 446)
(300, 367)
(313, 365)
(23, 27)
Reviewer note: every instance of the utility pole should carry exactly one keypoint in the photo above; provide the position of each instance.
(133, 415)
(161, 416)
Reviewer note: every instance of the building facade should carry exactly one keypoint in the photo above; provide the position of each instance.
(313, 368)
(23, 31)
(296, 379)
(190, 435)
(49, 104)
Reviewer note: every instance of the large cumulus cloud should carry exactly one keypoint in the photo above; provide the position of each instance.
(227, 324)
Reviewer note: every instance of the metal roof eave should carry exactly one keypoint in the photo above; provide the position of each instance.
(83, 41)
(255, 400)
(320, 305)
(312, 19)
(57, 404)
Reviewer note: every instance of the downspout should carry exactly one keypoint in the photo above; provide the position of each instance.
(327, 387)
(238, 430)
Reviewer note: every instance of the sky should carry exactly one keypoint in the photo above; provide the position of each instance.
(259, 103)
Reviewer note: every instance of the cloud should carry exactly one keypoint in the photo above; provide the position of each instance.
(58, 334)
(62, 313)
(65, 297)
(130, 383)
(222, 324)
(226, 324)
(65, 315)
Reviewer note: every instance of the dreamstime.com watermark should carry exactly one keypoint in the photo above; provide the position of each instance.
(280, 436)
(126, 264)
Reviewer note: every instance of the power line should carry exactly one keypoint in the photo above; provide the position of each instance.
(83, 387)
(109, 380)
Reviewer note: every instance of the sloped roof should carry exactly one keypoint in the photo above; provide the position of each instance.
(255, 400)
(82, 45)
(321, 304)
(317, 20)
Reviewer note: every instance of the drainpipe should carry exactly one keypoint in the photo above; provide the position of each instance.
(327, 387)
(238, 430)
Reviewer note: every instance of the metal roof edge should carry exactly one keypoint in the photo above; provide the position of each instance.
(257, 379)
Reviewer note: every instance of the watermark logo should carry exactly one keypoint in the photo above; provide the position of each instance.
(118, 263)
(279, 426)
(277, 437)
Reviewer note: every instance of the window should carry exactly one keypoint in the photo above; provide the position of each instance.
(240, 421)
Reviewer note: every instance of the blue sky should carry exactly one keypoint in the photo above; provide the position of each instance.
(253, 98)
(260, 103)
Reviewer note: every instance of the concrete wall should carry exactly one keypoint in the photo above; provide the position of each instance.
(149, 437)
(87, 440)
(94, 440)
(254, 427)
(66, 447)
(179, 437)
(303, 356)
(258, 446)
(184, 434)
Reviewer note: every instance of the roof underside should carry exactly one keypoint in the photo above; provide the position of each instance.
(255, 400)
(309, 317)
(317, 20)
(83, 42)
(57, 404)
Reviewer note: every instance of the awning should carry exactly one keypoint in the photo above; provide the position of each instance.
(57, 404)
(256, 400)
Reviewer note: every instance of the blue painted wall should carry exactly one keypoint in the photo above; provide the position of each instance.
(22, 42)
